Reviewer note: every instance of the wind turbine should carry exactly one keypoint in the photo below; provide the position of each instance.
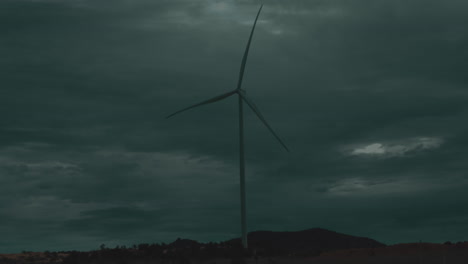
(242, 97)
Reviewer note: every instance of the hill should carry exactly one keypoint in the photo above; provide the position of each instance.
(310, 240)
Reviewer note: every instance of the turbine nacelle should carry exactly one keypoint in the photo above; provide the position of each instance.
(240, 90)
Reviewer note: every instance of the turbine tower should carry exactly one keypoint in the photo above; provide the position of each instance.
(242, 96)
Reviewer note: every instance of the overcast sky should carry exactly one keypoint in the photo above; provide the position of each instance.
(370, 96)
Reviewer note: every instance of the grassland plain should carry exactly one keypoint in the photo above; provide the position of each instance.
(414, 253)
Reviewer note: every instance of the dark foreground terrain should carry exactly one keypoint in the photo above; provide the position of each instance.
(318, 246)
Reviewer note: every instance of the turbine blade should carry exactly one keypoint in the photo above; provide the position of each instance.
(260, 116)
(246, 52)
(209, 101)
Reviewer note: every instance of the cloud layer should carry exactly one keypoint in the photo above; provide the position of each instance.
(370, 98)
(397, 149)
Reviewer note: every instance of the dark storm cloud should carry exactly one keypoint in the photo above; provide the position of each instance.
(369, 96)
(134, 192)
